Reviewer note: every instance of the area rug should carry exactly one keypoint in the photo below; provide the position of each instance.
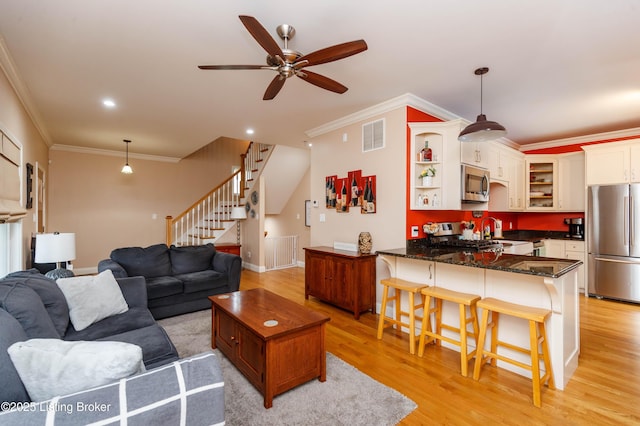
(348, 397)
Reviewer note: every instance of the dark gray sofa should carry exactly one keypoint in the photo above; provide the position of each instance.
(179, 279)
(32, 306)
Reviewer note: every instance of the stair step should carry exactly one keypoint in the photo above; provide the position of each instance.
(210, 229)
(259, 160)
(202, 237)
(264, 150)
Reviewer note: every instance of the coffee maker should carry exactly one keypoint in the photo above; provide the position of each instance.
(576, 227)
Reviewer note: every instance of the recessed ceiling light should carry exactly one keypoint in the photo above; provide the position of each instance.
(109, 103)
(249, 131)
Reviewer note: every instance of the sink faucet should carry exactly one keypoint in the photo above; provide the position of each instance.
(482, 225)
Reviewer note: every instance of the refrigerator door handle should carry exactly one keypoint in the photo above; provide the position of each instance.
(632, 228)
(604, 259)
(626, 220)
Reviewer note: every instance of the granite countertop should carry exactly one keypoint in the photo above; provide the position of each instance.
(531, 265)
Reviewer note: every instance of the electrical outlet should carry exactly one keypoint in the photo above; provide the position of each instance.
(249, 254)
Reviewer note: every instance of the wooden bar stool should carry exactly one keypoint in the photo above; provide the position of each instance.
(537, 338)
(464, 301)
(399, 286)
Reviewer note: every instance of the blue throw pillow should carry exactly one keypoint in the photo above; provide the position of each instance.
(51, 295)
(25, 305)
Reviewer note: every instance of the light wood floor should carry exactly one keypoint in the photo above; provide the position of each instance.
(604, 390)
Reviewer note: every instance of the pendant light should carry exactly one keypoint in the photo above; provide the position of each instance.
(126, 169)
(482, 130)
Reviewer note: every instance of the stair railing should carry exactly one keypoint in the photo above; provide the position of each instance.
(205, 219)
(202, 219)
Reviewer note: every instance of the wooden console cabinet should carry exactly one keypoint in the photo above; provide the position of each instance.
(228, 248)
(342, 278)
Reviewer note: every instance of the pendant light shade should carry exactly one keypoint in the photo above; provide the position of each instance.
(126, 169)
(482, 130)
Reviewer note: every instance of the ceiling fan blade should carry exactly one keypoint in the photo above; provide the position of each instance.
(274, 87)
(236, 67)
(261, 35)
(333, 53)
(322, 81)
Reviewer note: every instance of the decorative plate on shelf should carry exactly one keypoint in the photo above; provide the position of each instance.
(247, 206)
(254, 197)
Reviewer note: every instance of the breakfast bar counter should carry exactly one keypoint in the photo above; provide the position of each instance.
(542, 282)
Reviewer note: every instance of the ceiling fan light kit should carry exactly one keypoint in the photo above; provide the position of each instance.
(287, 62)
(482, 130)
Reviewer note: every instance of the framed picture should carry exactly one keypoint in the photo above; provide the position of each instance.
(307, 212)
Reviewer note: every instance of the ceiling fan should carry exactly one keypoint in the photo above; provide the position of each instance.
(289, 62)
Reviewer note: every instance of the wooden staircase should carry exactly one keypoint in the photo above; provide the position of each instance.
(210, 217)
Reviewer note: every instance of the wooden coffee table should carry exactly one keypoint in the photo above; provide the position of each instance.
(277, 344)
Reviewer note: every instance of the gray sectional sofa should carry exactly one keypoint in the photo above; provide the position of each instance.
(32, 307)
(179, 279)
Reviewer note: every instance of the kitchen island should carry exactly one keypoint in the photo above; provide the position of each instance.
(542, 282)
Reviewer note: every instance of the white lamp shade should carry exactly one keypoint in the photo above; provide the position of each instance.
(238, 213)
(53, 248)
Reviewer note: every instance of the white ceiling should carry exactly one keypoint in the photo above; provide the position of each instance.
(557, 68)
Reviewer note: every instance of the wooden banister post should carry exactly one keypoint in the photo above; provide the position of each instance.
(168, 221)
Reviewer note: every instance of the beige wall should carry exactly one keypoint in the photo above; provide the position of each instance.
(107, 209)
(331, 156)
(16, 122)
(290, 221)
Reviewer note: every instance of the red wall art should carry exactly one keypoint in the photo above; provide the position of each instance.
(353, 191)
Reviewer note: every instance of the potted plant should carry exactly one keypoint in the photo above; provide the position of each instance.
(427, 176)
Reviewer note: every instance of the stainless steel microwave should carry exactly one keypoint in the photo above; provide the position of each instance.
(475, 184)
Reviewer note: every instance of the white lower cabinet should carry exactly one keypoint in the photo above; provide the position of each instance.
(564, 249)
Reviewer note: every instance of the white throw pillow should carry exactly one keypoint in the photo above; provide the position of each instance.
(92, 298)
(53, 367)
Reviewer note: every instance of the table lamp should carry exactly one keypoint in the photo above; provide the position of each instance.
(56, 248)
(238, 214)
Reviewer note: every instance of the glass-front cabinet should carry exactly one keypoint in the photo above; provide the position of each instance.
(542, 184)
(434, 176)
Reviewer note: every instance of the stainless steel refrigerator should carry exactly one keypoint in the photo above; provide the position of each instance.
(613, 241)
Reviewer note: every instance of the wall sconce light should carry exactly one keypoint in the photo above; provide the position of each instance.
(126, 169)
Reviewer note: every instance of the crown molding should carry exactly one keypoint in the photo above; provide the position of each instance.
(594, 137)
(111, 153)
(408, 99)
(22, 91)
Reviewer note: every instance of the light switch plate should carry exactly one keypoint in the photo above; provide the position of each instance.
(414, 230)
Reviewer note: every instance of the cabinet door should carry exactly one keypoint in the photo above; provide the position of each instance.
(475, 153)
(542, 183)
(634, 154)
(515, 165)
(554, 248)
(251, 356)
(607, 164)
(571, 182)
(343, 292)
(316, 276)
(226, 338)
(574, 250)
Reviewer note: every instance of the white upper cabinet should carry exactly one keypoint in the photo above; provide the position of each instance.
(475, 153)
(611, 163)
(571, 194)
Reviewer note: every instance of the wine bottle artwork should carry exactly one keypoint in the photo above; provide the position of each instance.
(354, 190)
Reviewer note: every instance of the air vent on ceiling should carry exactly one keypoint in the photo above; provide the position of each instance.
(373, 135)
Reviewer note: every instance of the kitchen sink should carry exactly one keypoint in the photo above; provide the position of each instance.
(515, 246)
